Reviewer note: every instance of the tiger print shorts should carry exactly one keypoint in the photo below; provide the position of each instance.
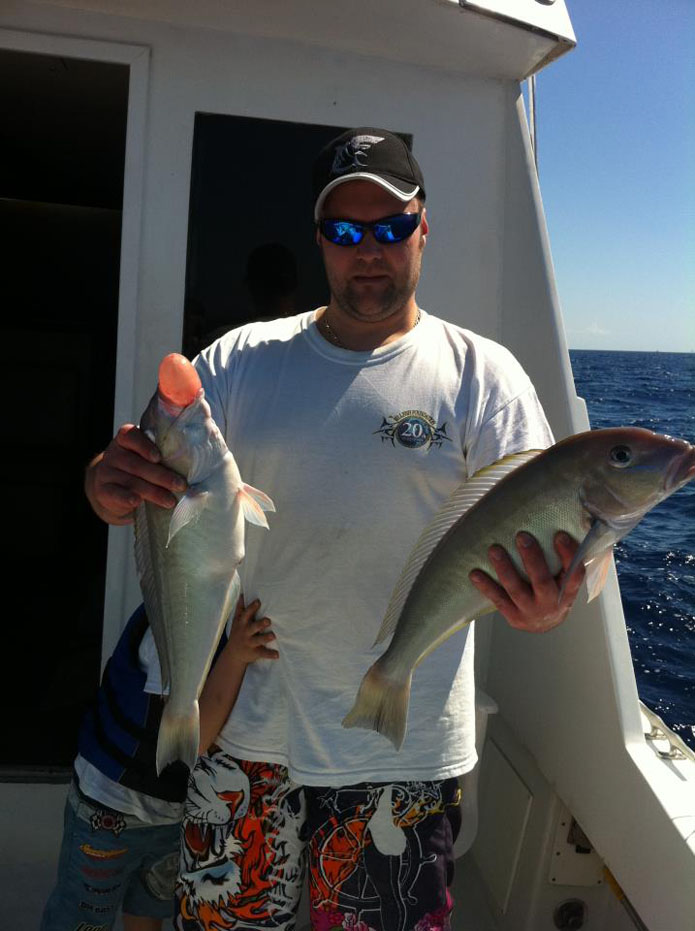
(371, 857)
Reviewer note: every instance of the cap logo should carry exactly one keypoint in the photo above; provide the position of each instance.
(353, 154)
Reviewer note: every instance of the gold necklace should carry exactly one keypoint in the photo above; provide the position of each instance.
(332, 336)
(330, 332)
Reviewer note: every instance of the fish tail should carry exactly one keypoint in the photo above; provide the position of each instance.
(382, 704)
(179, 736)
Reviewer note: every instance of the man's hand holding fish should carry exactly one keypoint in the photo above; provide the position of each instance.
(127, 473)
(542, 602)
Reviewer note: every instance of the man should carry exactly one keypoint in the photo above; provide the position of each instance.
(360, 419)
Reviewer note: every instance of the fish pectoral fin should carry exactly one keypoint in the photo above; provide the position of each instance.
(189, 508)
(597, 572)
(253, 503)
(598, 541)
(260, 497)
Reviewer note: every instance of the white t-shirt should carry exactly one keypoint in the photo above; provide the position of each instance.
(357, 450)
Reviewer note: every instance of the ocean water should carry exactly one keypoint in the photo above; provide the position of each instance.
(656, 561)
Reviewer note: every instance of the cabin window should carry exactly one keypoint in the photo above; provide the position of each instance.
(63, 141)
(251, 247)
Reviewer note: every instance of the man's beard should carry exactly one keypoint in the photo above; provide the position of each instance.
(387, 302)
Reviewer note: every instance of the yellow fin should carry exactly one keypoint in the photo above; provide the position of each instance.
(597, 572)
(381, 705)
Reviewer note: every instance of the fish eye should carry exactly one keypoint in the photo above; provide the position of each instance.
(621, 455)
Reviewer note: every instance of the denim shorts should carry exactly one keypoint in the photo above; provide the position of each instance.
(108, 861)
(377, 856)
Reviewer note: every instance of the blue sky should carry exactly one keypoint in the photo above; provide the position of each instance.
(616, 151)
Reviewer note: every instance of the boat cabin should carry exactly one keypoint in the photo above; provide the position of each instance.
(151, 146)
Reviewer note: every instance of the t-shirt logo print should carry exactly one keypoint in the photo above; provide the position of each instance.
(353, 154)
(413, 429)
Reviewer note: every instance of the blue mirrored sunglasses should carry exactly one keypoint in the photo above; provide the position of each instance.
(386, 230)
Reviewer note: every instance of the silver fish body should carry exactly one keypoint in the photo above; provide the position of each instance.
(596, 486)
(187, 560)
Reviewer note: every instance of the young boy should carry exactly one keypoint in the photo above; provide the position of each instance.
(121, 831)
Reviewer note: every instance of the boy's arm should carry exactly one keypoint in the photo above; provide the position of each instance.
(219, 696)
(246, 643)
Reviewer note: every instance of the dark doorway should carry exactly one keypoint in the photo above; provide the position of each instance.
(250, 188)
(62, 138)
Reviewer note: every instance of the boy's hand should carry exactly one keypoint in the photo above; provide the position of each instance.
(248, 636)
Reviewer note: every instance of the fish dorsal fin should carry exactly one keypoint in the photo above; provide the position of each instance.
(149, 582)
(462, 500)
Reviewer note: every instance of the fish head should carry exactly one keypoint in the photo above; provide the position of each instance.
(178, 419)
(626, 471)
